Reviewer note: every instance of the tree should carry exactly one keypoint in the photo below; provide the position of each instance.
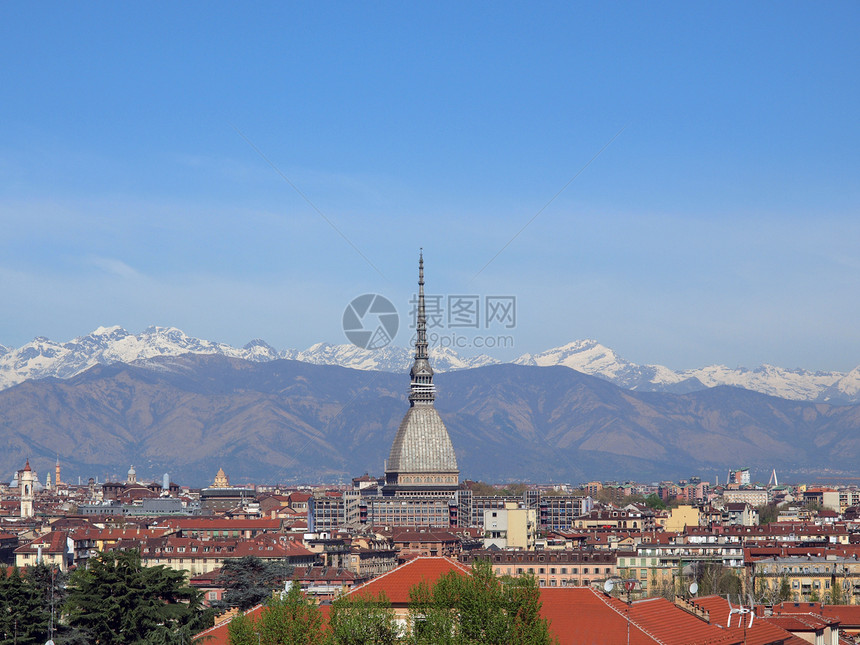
(241, 631)
(288, 618)
(23, 617)
(717, 579)
(835, 596)
(784, 589)
(117, 600)
(291, 619)
(654, 502)
(480, 608)
(250, 580)
(357, 620)
(767, 513)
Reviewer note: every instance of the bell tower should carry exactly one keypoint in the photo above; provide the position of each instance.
(25, 483)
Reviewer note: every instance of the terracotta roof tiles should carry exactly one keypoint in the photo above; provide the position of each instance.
(397, 582)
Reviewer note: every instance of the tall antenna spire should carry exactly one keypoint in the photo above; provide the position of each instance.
(421, 338)
(421, 389)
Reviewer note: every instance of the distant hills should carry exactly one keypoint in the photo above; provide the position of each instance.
(44, 358)
(279, 420)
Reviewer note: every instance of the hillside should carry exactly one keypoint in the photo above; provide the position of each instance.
(284, 420)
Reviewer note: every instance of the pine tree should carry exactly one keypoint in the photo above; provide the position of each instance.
(118, 601)
(250, 580)
(24, 619)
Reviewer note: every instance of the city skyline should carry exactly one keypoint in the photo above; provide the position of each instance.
(677, 183)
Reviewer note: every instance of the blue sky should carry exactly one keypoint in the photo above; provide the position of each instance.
(720, 226)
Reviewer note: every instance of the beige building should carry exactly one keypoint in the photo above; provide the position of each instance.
(53, 549)
(752, 496)
(511, 527)
(832, 579)
(682, 517)
(573, 568)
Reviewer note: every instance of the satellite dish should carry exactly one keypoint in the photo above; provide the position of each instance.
(607, 586)
(694, 588)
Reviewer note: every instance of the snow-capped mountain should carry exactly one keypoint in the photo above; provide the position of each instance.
(387, 359)
(43, 358)
(590, 357)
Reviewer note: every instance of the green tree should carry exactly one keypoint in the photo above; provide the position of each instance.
(250, 580)
(767, 513)
(480, 608)
(784, 594)
(241, 631)
(291, 619)
(356, 620)
(652, 501)
(116, 600)
(24, 619)
(835, 595)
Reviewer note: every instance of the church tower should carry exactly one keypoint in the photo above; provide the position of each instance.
(25, 483)
(422, 460)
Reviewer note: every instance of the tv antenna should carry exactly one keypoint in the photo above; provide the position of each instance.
(629, 586)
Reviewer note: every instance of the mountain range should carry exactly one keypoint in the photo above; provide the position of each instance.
(44, 358)
(290, 421)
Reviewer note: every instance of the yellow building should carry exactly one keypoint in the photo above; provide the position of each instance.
(510, 527)
(53, 549)
(681, 517)
(832, 579)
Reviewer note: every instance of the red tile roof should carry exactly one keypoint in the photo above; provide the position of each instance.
(584, 616)
(674, 626)
(761, 632)
(847, 615)
(579, 616)
(397, 582)
(53, 542)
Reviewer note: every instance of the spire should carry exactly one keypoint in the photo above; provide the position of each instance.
(421, 339)
(421, 389)
(27, 465)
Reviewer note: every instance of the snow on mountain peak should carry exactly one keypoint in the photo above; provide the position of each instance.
(43, 357)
